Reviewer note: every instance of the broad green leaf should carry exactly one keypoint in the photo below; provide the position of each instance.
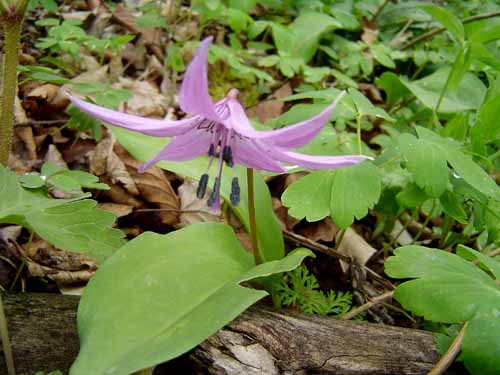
(269, 234)
(447, 19)
(382, 54)
(69, 224)
(307, 29)
(345, 194)
(467, 96)
(392, 86)
(411, 196)
(463, 164)
(470, 254)
(166, 294)
(426, 163)
(447, 288)
(487, 125)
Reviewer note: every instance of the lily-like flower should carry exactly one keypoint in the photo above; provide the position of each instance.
(223, 131)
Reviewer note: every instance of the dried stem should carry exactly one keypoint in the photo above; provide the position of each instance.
(439, 30)
(251, 216)
(374, 301)
(451, 353)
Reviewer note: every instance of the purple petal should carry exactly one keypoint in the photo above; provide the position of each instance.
(184, 147)
(296, 135)
(193, 95)
(313, 161)
(248, 153)
(154, 127)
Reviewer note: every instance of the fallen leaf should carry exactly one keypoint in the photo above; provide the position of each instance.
(192, 209)
(323, 230)
(119, 210)
(147, 100)
(272, 106)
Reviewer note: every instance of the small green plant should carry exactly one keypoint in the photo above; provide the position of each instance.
(300, 289)
(53, 176)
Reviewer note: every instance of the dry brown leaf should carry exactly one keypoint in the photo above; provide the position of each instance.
(323, 230)
(46, 100)
(104, 162)
(272, 106)
(355, 247)
(147, 100)
(286, 221)
(370, 32)
(192, 209)
(25, 133)
(54, 156)
(153, 186)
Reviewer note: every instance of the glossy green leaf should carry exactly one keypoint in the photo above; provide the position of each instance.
(69, 224)
(269, 234)
(453, 207)
(345, 194)
(161, 295)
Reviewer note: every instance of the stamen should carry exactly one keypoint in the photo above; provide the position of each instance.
(235, 192)
(215, 193)
(202, 186)
(227, 156)
(211, 150)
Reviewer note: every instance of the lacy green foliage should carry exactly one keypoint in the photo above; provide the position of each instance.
(300, 289)
(167, 293)
(71, 224)
(450, 288)
(53, 176)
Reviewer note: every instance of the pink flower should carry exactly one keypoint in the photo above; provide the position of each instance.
(223, 131)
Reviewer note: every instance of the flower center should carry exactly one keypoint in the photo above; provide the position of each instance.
(220, 148)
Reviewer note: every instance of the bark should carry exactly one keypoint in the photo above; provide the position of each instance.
(261, 341)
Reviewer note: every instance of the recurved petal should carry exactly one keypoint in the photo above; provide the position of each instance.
(248, 153)
(184, 147)
(194, 97)
(295, 135)
(313, 161)
(154, 127)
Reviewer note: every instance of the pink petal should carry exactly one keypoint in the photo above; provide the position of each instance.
(184, 147)
(193, 95)
(246, 152)
(313, 161)
(296, 135)
(154, 127)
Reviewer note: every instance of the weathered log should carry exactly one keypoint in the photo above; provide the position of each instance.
(260, 341)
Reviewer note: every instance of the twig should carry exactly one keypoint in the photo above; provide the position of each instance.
(379, 10)
(374, 301)
(313, 245)
(439, 30)
(41, 122)
(451, 353)
(494, 253)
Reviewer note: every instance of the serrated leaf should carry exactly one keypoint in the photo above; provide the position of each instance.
(355, 189)
(269, 234)
(309, 197)
(446, 288)
(345, 194)
(449, 289)
(70, 224)
(426, 163)
(167, 293)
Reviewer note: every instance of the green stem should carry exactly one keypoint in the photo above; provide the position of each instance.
(12, 28)
(251, 216)
(358, 133)
(4, 334)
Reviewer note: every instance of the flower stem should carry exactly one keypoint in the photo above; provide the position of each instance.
(251, 216)
(4, 334)
(12, 27)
